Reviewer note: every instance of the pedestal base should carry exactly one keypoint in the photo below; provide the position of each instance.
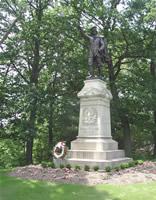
(96, 152)
(100, 163)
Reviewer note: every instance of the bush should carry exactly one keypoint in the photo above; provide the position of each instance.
(53, 165)
(124, 165)
(140, 162)
(44, 164)
(108, 169)
(11, 153)
(117, 168)
(61, 166)
(36, 163)
(136, 162)
(68, 166)
(96, 168)
(131, 164)
(50, 164)
(86, 168)
(77, 167)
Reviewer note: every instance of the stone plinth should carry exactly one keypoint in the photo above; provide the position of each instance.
(94, 144)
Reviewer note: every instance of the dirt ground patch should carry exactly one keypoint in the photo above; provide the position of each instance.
(141, 173)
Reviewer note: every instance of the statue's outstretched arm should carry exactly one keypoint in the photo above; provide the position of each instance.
(83, 34)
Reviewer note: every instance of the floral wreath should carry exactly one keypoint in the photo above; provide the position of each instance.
(60, 150)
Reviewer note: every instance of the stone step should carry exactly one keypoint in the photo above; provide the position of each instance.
(100, 163)
(94, 144)
(95, 155)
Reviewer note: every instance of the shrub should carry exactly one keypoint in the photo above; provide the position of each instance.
(124, 165)
(44, 164)
(96, 168)
(117, 168)
(68, 166)
(77, 167)
(140, 162)
(61, 166)
(86, 168)
(50, 164)
(131, 164)
(108, 169)
(36, 163)
(136, 162)
(11, 153)
(53, 165)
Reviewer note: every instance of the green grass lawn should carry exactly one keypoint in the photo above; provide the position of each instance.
(17, 189)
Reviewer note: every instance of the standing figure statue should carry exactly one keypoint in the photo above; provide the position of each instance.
(97, 51)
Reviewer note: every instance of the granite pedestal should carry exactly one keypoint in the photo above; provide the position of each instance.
(94, 145)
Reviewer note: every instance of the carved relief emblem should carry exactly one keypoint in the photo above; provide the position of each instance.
(89, 116)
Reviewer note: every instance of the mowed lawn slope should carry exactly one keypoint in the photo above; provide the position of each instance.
(18, 189)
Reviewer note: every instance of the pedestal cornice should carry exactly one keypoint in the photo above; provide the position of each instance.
(95, 88)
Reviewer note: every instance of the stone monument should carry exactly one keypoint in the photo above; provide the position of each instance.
(94, 145)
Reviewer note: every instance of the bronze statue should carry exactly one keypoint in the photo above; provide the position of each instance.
(97, 51)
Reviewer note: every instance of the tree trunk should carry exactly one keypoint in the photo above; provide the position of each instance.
(154, 140)
(51, 92)
(34, 81)
(153, 73)
(50, 135)
(32, 133)
(33, 84)
(122, 116)
(126, 135)
(50, 127)
(29, 148)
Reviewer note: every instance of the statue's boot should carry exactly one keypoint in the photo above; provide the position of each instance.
(91, 72)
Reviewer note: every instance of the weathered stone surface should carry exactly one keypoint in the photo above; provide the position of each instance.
(100, 163)
(97, 155)
(94, 144)
(94, 110)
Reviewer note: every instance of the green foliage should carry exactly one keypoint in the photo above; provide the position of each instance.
(108, 169)
(136, 162)
(96, 168)
(46, 164)
(61, 166)
(11, 153)
(42, 68)
(117, 168)
(68, 166)
(140, 162)
(51, 164)
(132, 164)
(124, 165)
(77, 167)
(86, 168)
(127, 165)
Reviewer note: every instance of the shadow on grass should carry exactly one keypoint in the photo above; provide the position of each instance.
(18, 189)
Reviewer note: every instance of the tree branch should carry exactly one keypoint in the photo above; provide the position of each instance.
(8, 32)
(24, 78)
(6, 73)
